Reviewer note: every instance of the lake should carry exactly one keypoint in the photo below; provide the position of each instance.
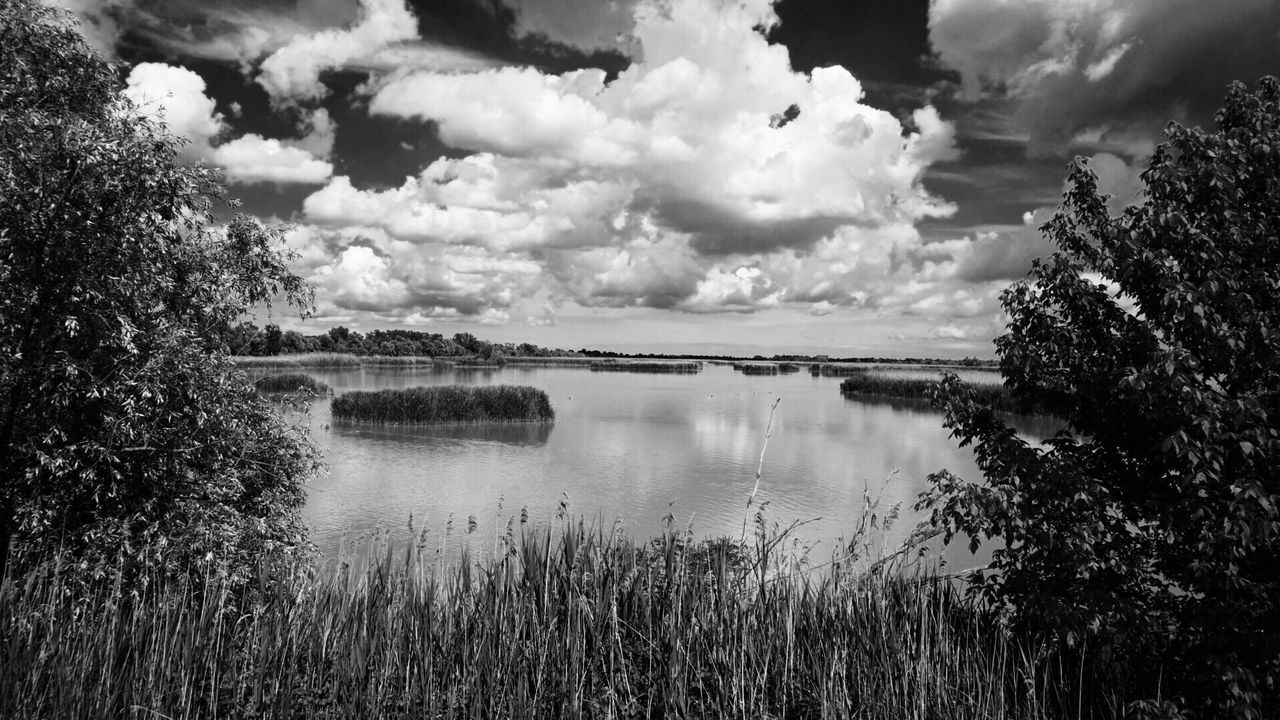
(633, 448)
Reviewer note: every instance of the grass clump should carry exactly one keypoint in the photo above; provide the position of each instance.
(996, 397)
(756, 368)
(575, 622)
(290, 383)
(646, 367)
(445, 404)
(301, 360)
(829, 370)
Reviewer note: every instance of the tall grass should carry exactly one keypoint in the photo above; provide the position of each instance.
(445, 404)
(549, 361)
(997, 397)
(573, 623)
(829, 370)
(756, 368)
(291, 383)
(303, 360)
(646, 367)
(399, 361)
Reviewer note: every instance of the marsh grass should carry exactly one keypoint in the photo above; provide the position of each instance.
(549, 361)
(291, 383)
(874, 384)
(829, 370)
(445, 404)
(575, 621)
(756, 368)
(637, 366)
(302, 360)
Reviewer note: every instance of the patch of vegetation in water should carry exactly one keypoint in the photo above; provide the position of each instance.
(756, 368)
(871, 384)
(646, 367)
(445, 404)
(290, 383)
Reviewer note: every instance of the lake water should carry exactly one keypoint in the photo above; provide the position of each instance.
(633, 448)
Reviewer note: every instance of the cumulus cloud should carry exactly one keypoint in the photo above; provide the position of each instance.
(176, 96)
(672, 186)
(1110, 68)
(585, 24)
(292, 73)
(255, 159)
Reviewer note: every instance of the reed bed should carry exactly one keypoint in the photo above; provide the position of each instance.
(997, 397)
(445, 404)
(572, 623)
(756, 368)
(303, 360)
(291, 383)
(646, 367)
(399, 360)
(829, 370)
(787, 367)
(550, 361)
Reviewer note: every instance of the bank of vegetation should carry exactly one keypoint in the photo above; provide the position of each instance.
(439, 404)
(581, 622)
(636, 366)
(290, 383)
(875, 384)
(756, 368)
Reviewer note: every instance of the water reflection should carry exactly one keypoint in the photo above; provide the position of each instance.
(635, 447)
(524, 433)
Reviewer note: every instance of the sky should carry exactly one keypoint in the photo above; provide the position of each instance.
(849, 177)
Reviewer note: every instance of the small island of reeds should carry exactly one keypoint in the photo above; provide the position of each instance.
(756, 368)
(290, 383)
(829, 370)
(440, 404)
(646, 367)
(871, 384)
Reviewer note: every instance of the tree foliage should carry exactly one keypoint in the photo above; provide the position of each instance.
(122, 425)
(1148, 526)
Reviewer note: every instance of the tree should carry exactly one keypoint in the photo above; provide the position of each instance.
(122, 424)
(1148, 525)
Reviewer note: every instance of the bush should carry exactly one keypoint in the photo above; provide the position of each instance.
(122, 424)
(1149, 526)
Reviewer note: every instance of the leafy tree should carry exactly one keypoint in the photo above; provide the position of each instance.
(1148, 527)
(122, 424)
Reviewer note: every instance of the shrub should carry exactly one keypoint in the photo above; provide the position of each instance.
(1150, 525)
(121, 421)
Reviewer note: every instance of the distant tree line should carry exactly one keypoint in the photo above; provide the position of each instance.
(246, 338)
(965, 362)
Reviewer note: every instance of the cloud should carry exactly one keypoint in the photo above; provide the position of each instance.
(254, 159)
(1116, 69)
(99, 20)
(176, 96)
(669, 187)
(292, 73)
(585, 24)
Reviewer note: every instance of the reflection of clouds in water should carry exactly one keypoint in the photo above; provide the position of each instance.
(721, 433)
(626, 446)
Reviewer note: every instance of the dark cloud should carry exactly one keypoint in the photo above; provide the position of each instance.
(1113, 70)
(492, 28)
(717, 231)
